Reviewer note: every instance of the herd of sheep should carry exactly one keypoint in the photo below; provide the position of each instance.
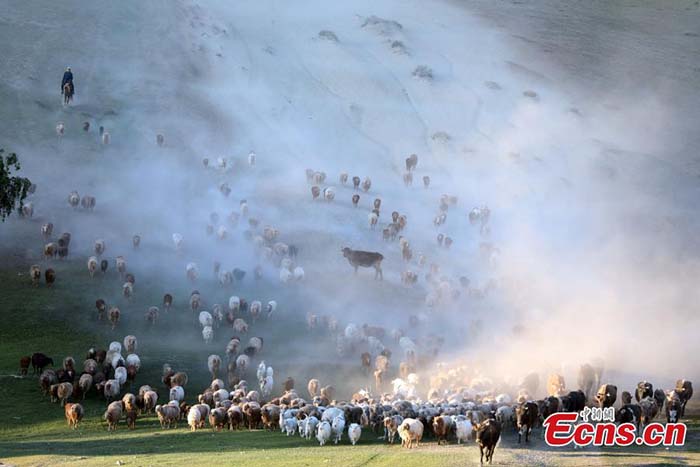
(460, 404)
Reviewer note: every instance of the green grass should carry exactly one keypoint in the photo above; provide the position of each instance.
(61, 321)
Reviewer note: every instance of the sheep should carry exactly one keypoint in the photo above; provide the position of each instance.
(129, 401)
(240, 326)
(192, 271)
(285, 275)
(100, 247)
(218, 418)
(290, 426)
(114, 314)
(128, 290)
(113, 415)
(328, 194)
(61, 392)
(176, 393)
(206, 319)
(120, 375)
(214, 365)
(463, 430)
(411, 432)
(270, 308)
(133, 360)
(130, 344)
(313, 387)
(106, 138)
(152, 315)
(121, 266)
(208, 334)
(50, 250)
(255, 310)
(391, 427)
(408, 179)
(194, 417)
(50, 277)
(298, 273)
(232, 347)
(24, 363)
(167, 301)
(242, 363)
(323, 432)
(168, 415)
(366, 184)
(373, 218)
(74, 414)
(354, 433)
(177, 241)
(35, 274)
(60, 129)
(337, 428)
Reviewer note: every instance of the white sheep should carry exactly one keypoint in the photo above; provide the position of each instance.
(373, 218)
(285, 275)
(194, 418)
(112, 389)
(177, 241)
(192, 271)
(133, 360)
(106, 138)
(310, 428)
(130, 344)
(298, 273)
(323, 432)
(337, 427)
(177, 393)
(251, 159)
(208, 334)
(60, 129)
(222, 232)
(120, 375)
(220, 395)
(240, 326)
(290, 426)
(255, 309)
(262, 371)
(328, 194)
(92, 265)
(206, 319)
(234, 304)
(270, 308)
(463, 430)
(115, 347)
(214, 365)
(354, 433)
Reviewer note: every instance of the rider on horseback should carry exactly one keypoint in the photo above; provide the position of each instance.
(68, 78)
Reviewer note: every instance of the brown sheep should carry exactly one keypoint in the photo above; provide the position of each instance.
(313, 387)
(426, 181)
(24, 363)
(131, 419)
(74, 414)
(101, 309)
(113, 414)
(35, 274)
(136, 241)
(114, 315)
(167, 301)
(315, 192)
(50, 277)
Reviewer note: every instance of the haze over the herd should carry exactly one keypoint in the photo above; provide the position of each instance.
(573, 134)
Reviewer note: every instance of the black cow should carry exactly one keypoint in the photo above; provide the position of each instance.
(684, 389)
(607, 395)
(365, 259)
(630, 413)
(487, 435)
(526, 415)
(644, 389)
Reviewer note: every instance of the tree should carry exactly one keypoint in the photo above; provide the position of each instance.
(13, 190)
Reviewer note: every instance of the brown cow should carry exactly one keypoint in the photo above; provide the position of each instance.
(365, 259)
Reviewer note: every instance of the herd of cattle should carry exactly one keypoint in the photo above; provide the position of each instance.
(460, 405)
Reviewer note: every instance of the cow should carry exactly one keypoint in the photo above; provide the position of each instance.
(630, 413)
(673, 407)
(575, 401)
(644, 389)
(555, 385)
(607, 395)
(365, 259)
(684, 389)
(487, 436)
(526, 415)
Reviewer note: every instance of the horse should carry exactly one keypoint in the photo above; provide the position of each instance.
(67, 93)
